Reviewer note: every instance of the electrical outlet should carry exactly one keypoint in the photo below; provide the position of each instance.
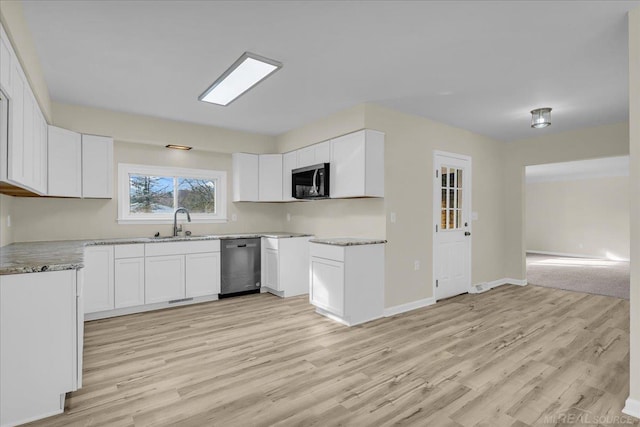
(416, 265)
(234, 217)
(288, 216)
(392, 217)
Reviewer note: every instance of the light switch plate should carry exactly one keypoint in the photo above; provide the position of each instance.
(234, 217)
(474, 216)
(392, 217)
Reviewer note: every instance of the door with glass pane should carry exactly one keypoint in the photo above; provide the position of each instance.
(452, 217)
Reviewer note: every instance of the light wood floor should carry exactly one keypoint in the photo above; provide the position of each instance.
(513, 356)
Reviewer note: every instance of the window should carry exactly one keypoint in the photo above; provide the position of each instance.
(150, 194)
(451, 207)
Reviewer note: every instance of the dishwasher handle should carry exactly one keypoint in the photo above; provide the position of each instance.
(241, 245)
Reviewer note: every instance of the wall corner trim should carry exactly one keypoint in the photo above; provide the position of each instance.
(403, 308)
(632, 407)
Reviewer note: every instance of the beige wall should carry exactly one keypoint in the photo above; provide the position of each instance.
(337, 124)
(13, 21)
(6, 233)
(126, 127)
(589, 143)
(587, 217)
(332, 218)
(634, 134)
(141, 140)
(409, 145)
(36, 219)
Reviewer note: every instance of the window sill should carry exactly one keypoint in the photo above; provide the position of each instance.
(181, 220)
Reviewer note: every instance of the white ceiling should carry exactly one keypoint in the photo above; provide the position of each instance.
(477, 65)
(583, 169)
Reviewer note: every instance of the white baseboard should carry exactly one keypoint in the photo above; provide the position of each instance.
(632, 407)
(484, 287)
(147, 307)
(403, 308)
(576, 255)
(475, 289)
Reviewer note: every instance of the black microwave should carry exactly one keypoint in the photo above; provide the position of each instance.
(310, 182)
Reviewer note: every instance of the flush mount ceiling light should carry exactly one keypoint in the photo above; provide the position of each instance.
(540, 118)
(249, 70)
(178, 147)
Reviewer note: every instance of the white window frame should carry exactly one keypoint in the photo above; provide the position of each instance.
(126, 169)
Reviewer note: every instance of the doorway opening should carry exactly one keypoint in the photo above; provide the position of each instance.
(577, 226)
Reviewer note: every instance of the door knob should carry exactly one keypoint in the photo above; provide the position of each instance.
(467, 233)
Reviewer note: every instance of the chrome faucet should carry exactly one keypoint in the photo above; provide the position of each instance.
(177, 229)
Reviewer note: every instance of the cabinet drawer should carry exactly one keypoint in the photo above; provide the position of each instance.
(181, 248)
(202, 246)
(320, 250)
(270, 243)
(135, 250)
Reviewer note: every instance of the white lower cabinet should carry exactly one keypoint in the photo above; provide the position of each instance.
(164, 278)
(270, 278)
(98, 279)
(129, 282)
(131, 278)
(327, 285)
(202, 274)
(347, 282)
(40, 343)
(285, 266)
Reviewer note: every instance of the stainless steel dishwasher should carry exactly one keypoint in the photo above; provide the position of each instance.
(240, 270)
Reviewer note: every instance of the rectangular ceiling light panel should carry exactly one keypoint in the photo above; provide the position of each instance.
(246, 72)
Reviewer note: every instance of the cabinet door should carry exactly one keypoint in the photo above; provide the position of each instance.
(289, 163)
(271, 267)
(270, 178)
(348, 166)
(37, 343)
(39, 166)
(164, 278)
(98, 279)
(203, 274)
(327, 285)
(306, 156)
(129, 282)
(322, 152)
(65, 163)
(245, 177)
(15, 149)
(97, 166)
(6, 58)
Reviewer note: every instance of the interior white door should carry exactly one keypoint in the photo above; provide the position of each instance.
(452, 217)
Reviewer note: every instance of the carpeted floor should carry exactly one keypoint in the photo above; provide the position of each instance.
(593, 276)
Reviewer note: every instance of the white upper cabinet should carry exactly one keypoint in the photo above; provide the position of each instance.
(245, 177)
(357, 165)
(97, 167)
(314, 154)
(356, 169)
(65, 163)
(25, 149)
(289, 163)
(270, 178)
(6, 58)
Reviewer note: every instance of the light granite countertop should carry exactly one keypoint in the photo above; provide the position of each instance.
(34, 257)
(348, 241)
